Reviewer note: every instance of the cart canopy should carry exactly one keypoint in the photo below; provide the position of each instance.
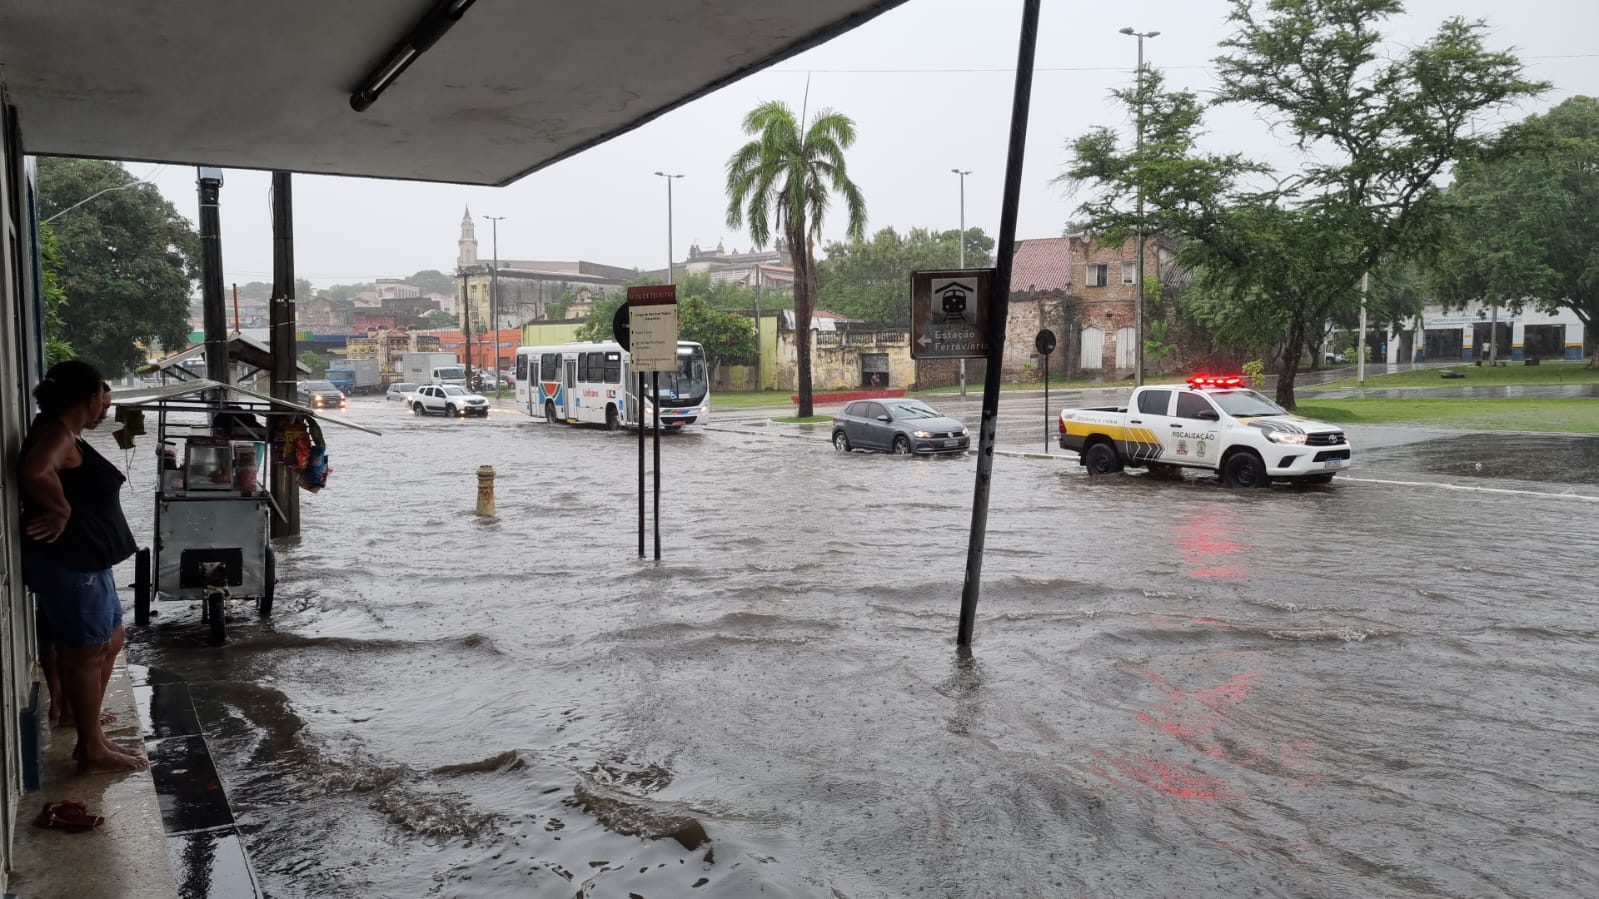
(190, 396)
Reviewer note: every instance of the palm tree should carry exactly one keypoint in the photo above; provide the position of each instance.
(785, 179)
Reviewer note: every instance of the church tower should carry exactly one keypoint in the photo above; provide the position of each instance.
(468, 242)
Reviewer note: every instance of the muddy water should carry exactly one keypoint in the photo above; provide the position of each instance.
(1367, 690)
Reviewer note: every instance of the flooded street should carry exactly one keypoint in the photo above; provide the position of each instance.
(1384, 688)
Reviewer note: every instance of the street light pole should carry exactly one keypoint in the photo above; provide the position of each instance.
(494, 300)
(963, 174)
(670, 255)
(1138, 297)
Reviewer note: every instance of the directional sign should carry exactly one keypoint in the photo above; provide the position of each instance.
(653, 327)
(949, 313)
(1045, 343)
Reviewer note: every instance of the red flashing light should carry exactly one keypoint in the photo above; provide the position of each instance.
(1216, 381)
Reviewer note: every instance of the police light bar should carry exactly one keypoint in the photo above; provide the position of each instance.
(1216, 381)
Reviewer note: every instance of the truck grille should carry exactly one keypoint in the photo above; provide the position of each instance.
(1329, 438)
(1331, 454)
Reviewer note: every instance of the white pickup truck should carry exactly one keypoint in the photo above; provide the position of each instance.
(1214, 424)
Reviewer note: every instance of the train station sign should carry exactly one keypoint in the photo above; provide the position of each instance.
(652, 327)
(949, 313)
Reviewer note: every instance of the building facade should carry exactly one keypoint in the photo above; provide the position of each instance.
(1441, 335)
(527, 287)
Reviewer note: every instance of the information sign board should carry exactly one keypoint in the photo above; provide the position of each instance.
(652, 313)
(949, 313)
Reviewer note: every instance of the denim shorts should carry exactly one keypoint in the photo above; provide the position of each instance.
(79, 608)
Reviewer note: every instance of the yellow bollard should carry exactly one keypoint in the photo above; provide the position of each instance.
(485, 490)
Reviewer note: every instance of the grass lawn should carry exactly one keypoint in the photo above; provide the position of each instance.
(1576, 415)
(1509, 373)
(802, 419)
(748, 399)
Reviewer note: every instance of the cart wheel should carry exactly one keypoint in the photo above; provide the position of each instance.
(141, 588)
(263, 605)
(213, 608)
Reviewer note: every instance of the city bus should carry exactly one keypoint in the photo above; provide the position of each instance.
(591, 383)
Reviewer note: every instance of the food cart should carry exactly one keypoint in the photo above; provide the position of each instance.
(215, 448)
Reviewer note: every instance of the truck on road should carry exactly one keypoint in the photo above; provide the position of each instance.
(1212, 424)
(355, 375)
(432, 368)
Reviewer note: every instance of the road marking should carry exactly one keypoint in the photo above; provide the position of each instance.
(1470, 488)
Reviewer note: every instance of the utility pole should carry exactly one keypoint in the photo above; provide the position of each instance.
(209, 183)
(963, 174)
(670, 255)
(494, 299)
(1138, 301)
(1360, 351)
(285, 488)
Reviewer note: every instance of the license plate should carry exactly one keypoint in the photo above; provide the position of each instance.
(1332, 463)
(952, 443)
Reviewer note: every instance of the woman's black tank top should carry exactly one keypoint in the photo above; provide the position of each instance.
(97, 535)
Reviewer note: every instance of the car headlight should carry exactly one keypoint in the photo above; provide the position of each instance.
(922, 434)
(964, 432)
(1286, 437)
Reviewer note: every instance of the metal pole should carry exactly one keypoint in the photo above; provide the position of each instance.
(284, 369)
(759, 383)
(671, 256)
(1493, 336)
(962, 242)
(494, 300)
(1046, 402)
(998, 312)
(216, 317)
(640, 414)
(1360, 352)
(466, 337)
(1138, 299)
(655, 389)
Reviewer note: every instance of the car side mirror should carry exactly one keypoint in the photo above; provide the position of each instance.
(884, 418)
(1208, 415)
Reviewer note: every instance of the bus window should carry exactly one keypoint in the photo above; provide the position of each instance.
(613, 368)
(521, 369)
(550, 367)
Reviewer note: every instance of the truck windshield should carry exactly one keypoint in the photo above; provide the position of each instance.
(1245, 403)
(456, 373)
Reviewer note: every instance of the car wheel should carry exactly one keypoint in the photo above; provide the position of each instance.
(902, 446)
(417, 408)
(549, 411)
(612, 422)
(841, 441)
(1244, 470)
(451, 412)
(1101, 459)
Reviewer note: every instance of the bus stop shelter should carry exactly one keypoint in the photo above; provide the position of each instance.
(433, 90)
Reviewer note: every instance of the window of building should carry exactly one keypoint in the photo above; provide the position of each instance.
(1129, 272)
(1095, 274)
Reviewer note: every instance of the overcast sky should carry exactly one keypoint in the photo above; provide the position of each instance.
(929, 87)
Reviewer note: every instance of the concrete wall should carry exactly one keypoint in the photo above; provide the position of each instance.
(836, 359)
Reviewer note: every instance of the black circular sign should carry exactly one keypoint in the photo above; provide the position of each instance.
(620, 327)
(1045, 342)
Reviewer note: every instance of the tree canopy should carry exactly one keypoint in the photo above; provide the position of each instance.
(870, 279)
(784, 178)
(431, 280)
(128, 262)
(708, 312)
(1524, 219)
(1276, 253)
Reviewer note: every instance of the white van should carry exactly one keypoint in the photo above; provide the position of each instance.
(449, 374)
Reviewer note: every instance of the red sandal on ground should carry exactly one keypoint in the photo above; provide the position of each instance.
(70, 815)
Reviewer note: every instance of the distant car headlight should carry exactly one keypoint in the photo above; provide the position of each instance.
(922, 434)
(1286, 437)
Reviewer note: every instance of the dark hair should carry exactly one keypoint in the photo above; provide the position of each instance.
(67, 384)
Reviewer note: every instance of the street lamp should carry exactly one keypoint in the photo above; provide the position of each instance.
(670, 256)
(494, 300)
(1138, 293)
(963, 173)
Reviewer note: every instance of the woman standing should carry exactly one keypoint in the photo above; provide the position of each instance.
(74, 532)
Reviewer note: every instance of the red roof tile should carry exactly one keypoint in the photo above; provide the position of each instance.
(1042, 264)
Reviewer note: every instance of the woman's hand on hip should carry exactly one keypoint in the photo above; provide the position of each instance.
(47, 527)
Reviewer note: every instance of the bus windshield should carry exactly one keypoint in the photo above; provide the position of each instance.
(690, 383)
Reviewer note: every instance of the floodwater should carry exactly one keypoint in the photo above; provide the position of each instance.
(1384, 688)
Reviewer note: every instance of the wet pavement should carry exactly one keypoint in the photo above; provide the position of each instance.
(1385, 687)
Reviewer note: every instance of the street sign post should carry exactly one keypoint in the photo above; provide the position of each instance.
(949, 313)
(1044, 343)
(652, 335)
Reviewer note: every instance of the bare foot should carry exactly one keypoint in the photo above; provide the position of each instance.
(107, 718)
(100, 762)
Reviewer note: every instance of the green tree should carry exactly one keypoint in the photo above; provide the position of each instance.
(1524, 220)
(348, 291)
(728, 337)
(784, 179)
(316, 362)
(440, 320)
(870, 279)
(1275, 255)
(56, 347)
(430, 280)
(128, 262)
(603, 309)
(255, 290)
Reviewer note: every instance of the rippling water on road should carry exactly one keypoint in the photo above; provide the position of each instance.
(1375, 689)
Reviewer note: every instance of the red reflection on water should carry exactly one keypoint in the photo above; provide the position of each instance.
(1208, 539)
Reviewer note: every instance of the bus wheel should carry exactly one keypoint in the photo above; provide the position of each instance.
(612, 423)
(549, 411)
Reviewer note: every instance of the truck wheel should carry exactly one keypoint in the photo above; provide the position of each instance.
(1244, 470)
(1101, 458)
(269, 586)
(141, 587)
(217, 620)
(612, 423)
(549, 412)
